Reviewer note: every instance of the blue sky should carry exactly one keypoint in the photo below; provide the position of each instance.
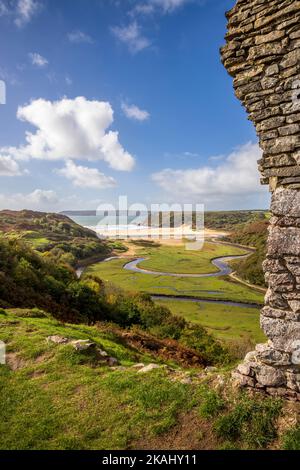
(121, 98)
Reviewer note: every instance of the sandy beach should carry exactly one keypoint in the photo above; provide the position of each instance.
(164, 235)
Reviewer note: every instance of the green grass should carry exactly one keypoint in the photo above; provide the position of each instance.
(212, 404)
(291, 440)
(251, 422)
(176, 259)
(222, 321)
(59, 399)
(226, 288)
(35, 239)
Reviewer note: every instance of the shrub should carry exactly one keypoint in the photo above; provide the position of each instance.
(196, 337)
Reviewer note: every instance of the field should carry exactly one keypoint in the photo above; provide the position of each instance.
(207, 288)
(225, 322)
(176, 259)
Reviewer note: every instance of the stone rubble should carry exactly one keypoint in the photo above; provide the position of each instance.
(262, 55)
(85, 345)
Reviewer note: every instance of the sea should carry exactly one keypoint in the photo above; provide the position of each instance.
(108, 224)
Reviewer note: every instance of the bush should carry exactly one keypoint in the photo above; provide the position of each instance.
(87, 303)
(196, 337)
(172, 327)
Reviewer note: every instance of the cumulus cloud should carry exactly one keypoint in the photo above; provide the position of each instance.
(84, 177)
(25, 10)
(8, 167)
(134, 112)
(78, 37)
(39, 199)
(236, 177)
(132, 36)
(71, 129)
(38, 60)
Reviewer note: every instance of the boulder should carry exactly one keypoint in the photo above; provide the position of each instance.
(270, 377)
(57, 339)
(83, 344)
(149, 368)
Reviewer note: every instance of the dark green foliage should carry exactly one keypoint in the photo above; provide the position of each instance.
(251, 421)
(28, 281)
(196, 337)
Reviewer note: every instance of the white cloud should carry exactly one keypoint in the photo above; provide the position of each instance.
(168, 5)
(84, 177)
(25, 10)
(39, 199)
(133, 112)
(38, 60)
(20, 11)
(71, 129)
(78, 37)
(131, 36)
(8, 167)
(164, 6)
(236, 177)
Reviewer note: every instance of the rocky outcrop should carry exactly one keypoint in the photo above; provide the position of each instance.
(262, 54)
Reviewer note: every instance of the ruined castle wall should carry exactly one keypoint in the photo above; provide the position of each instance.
(262, 54)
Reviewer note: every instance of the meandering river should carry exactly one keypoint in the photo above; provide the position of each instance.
(221, 263)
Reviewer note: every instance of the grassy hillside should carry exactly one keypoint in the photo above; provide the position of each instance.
(229, 220)
(252, 234)
(221, 220)
(54, 235)
(55, 397)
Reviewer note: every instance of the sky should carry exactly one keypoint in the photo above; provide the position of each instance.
(121, 97)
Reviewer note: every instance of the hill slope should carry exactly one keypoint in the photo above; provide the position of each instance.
(57, 397)
(253, 234)
(55, 235)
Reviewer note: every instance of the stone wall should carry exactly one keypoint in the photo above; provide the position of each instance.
(262, 54)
